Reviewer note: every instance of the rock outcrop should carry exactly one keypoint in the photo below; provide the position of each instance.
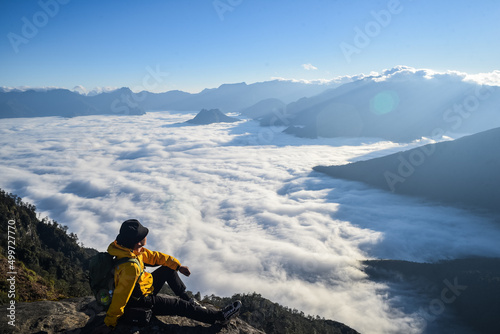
(82, 316)
(211, 116)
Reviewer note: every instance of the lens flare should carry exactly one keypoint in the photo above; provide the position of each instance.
(384, 102)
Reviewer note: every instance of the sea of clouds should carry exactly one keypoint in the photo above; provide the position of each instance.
(240, 205)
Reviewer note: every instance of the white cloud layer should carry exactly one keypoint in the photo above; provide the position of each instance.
(406, 72)
(239, 205)
(402, 72)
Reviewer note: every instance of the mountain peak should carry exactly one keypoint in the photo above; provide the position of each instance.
(211, 116)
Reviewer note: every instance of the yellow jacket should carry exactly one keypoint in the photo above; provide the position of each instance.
(128, 273)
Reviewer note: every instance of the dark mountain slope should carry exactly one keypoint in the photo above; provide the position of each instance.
(470, 288)
(463, 172)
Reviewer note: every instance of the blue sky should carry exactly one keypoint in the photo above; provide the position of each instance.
(192, 45)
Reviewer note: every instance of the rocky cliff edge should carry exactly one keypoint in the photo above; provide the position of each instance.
(82, 316)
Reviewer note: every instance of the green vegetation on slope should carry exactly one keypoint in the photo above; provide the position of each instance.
(50, 263)
(271, 317)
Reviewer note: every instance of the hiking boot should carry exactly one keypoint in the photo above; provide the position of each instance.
(196, 303)
(231, 311)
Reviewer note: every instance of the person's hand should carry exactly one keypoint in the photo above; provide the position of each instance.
(103, 329)
(184, 270)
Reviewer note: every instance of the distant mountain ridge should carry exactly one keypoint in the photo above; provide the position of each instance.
(463, 172)
(262, 108)
(400, 105)
(65, 103)
(227, 98)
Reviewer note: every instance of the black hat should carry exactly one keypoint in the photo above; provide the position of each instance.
(131, 233)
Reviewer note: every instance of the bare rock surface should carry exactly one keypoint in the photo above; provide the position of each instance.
(82, 316)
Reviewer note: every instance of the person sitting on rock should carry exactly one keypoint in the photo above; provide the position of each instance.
(133, 289)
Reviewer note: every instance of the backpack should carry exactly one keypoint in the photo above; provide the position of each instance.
(102, 276)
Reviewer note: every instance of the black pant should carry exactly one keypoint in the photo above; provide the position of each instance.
(166, 305)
